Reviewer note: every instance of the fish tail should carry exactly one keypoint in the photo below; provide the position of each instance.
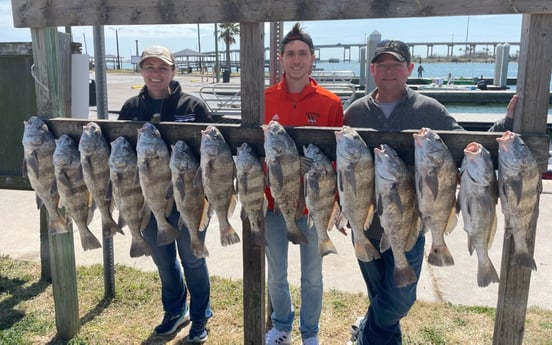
(525, 259)
(57, 224)
(109, 227)
(295, 236)
(88, 240)
(404, 276)
(139, 247)
(326, 246)
(486, 274)
(228, 235)
(199, 249)
(257, 232)
(166, 233)
(365, 250)
(440, 256)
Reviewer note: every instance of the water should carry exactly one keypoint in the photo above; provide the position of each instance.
(433, 70)
(441, 70)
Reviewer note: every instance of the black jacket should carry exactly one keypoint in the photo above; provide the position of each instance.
(178, 107)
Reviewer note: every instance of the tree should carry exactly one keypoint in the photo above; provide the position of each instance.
(228, 33)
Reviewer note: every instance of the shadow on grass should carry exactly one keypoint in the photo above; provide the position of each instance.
(155, 339)
(19, 293)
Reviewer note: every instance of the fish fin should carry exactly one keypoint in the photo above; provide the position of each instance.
(198, 178)
(432, 181)
(136, 175)
(170, 192)
(205, 217)
(517, 188)
(168, 207)
(440, 256)
(413, 234)
(39, 202)
(24, 171)
(139, 247)
(326, 246)
(486, 274)
(146, 216)
(452, 221)
(275, 170)
(64, 180)
(108, 191)
(313, 186)
(88, 240)
(351, 179)
(32, 162)
(379, 206)
(526, 260)
(369, 217)
(242, 183)
(305, 164)
(385, 243)
(166, 233)
(121, 221)
(365, 250)
(232, 205)
(471, 243)
(91, 209)
(404, 276)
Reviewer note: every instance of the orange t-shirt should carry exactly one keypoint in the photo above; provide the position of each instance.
(313, 106)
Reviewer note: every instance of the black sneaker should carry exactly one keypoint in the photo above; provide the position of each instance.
(198, 332)
(171, 322)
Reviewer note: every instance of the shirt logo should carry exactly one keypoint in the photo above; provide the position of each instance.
(312, 118)
(185, 118)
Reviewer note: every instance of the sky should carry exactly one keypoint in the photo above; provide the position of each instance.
(489, 28)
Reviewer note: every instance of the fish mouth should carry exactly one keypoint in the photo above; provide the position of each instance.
(420, 135)
(505, 139)
(472, 148)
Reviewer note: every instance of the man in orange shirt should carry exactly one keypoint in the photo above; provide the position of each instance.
(296, 101)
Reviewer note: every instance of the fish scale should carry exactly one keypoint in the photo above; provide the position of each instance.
(436, 177)
(355, 185)
(94, 156)
(74, 194)
(320, 196)
(38, 150)
(127, 193)
(519, 186)
(189, 197)
(155, 177)
(251, 188)
(284, 177)
(396, 207)
(216, 173)
(477, 198)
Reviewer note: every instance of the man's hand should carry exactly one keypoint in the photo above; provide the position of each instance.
(511, 107)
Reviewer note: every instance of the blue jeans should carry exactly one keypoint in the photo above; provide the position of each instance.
(311, 276)
(173, 287)
(388, 304)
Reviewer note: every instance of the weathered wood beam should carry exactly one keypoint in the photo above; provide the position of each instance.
(43, 13)
(324, 137)
(530, 118)
(252, 84)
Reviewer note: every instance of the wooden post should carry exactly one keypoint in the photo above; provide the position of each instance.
(530, 118)
(48, 52)
(252, 64)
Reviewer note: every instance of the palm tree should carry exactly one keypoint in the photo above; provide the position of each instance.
(228, 33)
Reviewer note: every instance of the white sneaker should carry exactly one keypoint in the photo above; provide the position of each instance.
(310, 341)
(355, 328)
(276, 337)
